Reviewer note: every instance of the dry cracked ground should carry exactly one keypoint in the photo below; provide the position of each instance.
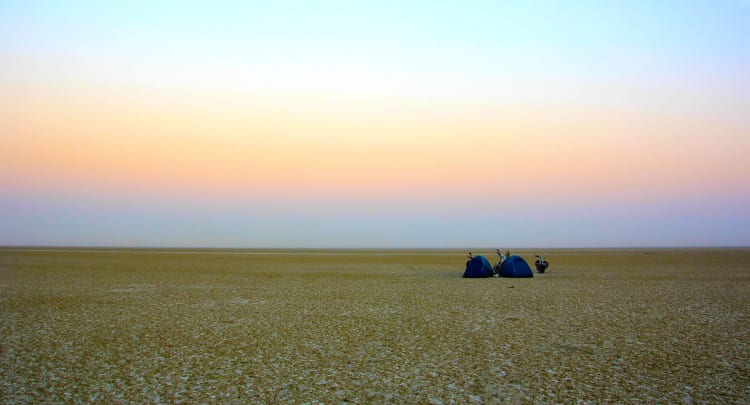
(150, 326)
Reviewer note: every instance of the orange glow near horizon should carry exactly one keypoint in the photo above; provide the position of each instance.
(229, 144)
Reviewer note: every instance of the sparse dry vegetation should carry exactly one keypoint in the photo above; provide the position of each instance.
(136, 326)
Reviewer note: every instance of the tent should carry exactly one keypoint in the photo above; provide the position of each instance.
(478, 266)
(515, 266)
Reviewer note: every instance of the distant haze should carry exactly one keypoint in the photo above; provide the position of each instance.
(375, 124)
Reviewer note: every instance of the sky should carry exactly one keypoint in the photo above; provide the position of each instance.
(375, 123)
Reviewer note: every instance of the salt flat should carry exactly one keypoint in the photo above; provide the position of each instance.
(306, 326)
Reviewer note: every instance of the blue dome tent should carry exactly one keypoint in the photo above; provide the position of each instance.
(515, 266)
(478, 266)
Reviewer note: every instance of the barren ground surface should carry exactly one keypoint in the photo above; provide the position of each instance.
(629, 326)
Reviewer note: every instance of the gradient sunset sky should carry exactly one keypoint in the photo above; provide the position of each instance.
(375, 124)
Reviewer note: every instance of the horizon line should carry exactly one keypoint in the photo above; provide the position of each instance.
(355, 248)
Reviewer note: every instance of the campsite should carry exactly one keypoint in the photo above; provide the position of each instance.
(512, 266)
(372, 326)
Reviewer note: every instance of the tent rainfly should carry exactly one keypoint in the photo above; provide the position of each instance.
(515, 266)
(478, 266)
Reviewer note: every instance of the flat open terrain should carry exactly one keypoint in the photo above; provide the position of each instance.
(601, 326)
